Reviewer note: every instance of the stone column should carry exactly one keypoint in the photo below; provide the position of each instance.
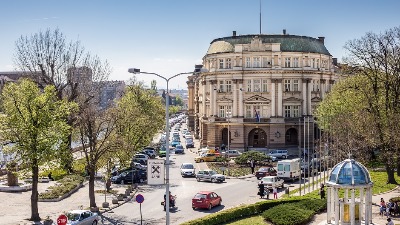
(304, 92)
(322, 89)
(241, 93)
(352, 208)
(280, 97)
(203, 103)
(309, 88)
(235, 92)
(360, 209)
(328, 204)
(336, 209)
(370, 205)
(273, 97)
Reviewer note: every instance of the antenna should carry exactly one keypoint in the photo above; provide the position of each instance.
(260, 16)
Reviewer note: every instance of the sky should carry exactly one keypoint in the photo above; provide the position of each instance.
(168, 37)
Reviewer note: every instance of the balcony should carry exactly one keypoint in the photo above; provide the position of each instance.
(254, 120)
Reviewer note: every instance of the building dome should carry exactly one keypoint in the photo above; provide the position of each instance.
(220, 47)
(349, 172)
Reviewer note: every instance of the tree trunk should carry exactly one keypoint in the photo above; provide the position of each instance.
(92, 197)
(390, 173)
(398, 166)
(35, 195)
(12, 179)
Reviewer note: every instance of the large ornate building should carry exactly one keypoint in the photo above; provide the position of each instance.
(262, 88)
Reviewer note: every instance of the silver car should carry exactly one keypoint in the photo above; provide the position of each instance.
(82, 217)
(209, 175)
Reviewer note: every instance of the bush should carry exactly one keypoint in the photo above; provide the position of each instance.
(247, 156)
(65, 185)
(288, 214)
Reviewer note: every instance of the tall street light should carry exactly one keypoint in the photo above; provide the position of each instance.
(137, 71)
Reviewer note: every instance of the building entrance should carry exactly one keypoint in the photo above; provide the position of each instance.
(257, 138)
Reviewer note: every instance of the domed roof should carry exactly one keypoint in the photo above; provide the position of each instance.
(349, 172)
(289, 43)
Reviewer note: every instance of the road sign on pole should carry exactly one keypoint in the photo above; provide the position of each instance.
(155, 171)
(62, 220)
(139, 198)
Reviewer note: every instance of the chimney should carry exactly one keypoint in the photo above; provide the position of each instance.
(334, 61)
(234, 33)
(284, 31)
(321, 39)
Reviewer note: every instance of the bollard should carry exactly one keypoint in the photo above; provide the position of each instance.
(287, 191)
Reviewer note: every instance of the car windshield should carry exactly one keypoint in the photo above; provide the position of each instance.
(268, 179)
(187, 166)
(73, 216)
(263, 169)
(212, 172)
(198, 195)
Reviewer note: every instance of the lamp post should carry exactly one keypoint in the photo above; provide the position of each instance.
(137, 71)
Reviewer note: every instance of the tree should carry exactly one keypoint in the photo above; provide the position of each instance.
(34, 120)
(49, 59)
(179, 101)
(370, 102)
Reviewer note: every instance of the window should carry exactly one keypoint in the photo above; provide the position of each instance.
(228, 63)
(313, 63)
(249, 85)
(248, 111)
(256, 85)
(221, 63)
(256, 62)
(221, 86)
(287, 62)
(265, 62)
(295, 62)
(315, 85)
(317, 63)
(248, 63)
(287, 85)
(264, 85)
(292, 111)
(291, 85)
(228, 86)
(223, 109)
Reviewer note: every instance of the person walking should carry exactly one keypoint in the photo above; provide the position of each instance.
(275, 191)
(322, 191)
(252, 165)
(261, 189)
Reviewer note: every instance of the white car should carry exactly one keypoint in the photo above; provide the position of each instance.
(82, 217)
(188, 170)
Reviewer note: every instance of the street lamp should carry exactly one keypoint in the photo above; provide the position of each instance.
(137, 71)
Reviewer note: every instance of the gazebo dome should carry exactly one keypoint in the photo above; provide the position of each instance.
(349, 172)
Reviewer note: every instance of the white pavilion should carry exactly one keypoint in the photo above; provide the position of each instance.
(356, 205)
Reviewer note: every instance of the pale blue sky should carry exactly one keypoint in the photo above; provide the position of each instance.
(171, 36)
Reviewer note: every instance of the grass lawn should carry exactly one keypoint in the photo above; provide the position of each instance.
(254, 220)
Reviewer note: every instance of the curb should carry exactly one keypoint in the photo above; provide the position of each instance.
(119, 204)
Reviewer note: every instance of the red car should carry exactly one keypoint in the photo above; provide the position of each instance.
(265, 171)
(206, 200)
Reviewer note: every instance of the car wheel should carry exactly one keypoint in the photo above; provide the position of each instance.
(94, 222)
(209, 207)
(193, 208)
(283, 186)
(198, 179)
(258, 178)
(201, 160)
(213, 180)
(122, 182)
(220, 201)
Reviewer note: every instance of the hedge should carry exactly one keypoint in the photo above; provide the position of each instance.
(241, 212)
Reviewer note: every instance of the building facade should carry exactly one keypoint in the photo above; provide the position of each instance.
(262, 89)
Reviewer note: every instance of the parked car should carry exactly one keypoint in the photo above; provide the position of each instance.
(150, 151)
(138, 165)
(82, 217)
(265, 171)
(209, 157)
(209, 175)
(175, 143)
(272, 181)
(179, 149)
(138, 176)
(283, 154)
(231, 153)
(206, 199)
(188, 169)
(141, 156)
(189, 143)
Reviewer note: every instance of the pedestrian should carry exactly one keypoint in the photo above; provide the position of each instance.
(322, 191)
(382, 207)
(261, 189)
(252, 165)
(275, 191)
(390, 222)
(266, 192)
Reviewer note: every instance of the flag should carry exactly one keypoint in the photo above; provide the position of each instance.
(257, 116)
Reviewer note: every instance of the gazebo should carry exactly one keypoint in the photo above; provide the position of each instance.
(349, 176)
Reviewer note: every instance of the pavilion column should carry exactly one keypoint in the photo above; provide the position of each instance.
(370, 205)
(328, 205)
(336, 202)
(352, 208)
(360, 213)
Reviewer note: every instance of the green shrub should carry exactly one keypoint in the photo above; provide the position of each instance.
(64, 186)
(288, 214)
(315, 205)
(56, 173)
(247, 156)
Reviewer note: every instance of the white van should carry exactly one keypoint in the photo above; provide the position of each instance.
(289, 169)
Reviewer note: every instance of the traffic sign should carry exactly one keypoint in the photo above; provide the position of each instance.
(139, 198)
(62, 220)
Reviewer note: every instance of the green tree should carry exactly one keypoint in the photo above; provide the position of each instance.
(179, 101)
(34, 120)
